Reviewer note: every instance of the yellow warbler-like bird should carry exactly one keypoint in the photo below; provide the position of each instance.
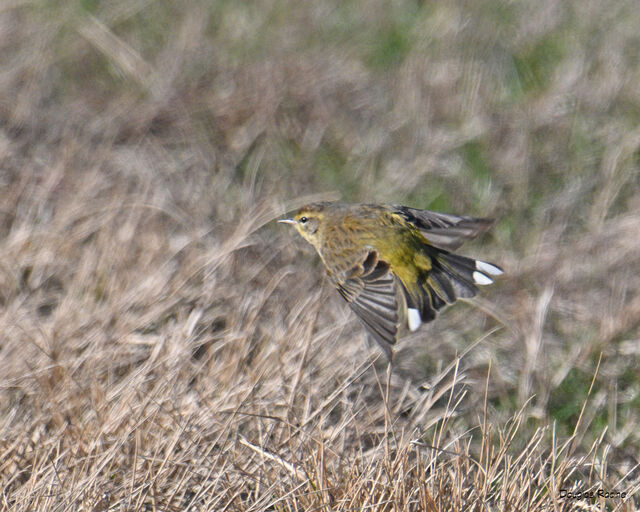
(394, 265)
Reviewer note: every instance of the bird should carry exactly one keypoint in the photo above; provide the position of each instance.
(394, 265)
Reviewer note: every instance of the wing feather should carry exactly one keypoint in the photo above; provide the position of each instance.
(371, 292)
(442, 229)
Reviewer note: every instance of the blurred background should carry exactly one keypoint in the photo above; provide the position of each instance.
(164, 344)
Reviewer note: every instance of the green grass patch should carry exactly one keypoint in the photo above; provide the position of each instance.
(535, 64)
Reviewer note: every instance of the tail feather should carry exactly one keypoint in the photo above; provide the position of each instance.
(434, 299)
(451, 277)
(442, 284)
(472, 271)
(420, 302)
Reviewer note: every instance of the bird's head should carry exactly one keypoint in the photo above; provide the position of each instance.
(308, 220)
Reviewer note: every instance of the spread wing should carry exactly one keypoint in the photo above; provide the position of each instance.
(370, 289)
(444, 230)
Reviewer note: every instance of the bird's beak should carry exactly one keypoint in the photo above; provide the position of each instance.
(287, 221)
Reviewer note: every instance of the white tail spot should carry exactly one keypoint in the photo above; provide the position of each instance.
(488, 268)
(481, 279)
(414, 319)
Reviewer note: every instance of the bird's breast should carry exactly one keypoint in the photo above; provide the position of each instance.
(342, 247)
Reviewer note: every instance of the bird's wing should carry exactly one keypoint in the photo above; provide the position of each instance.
(444, 230)
(370, 289)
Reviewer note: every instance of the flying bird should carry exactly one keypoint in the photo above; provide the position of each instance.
(394, 265)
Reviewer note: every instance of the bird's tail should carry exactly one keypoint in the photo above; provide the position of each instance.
(450, 277)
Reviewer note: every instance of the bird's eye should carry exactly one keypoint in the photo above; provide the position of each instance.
(303, 220)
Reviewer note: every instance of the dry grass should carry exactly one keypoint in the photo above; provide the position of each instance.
(165, 346)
